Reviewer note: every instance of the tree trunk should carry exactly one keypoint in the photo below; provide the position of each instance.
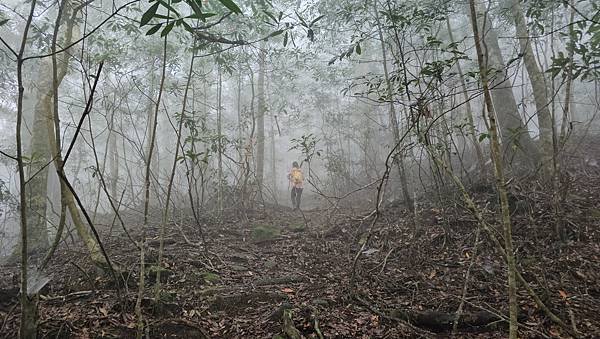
(469, 111)
(219, 147)
(393, 117)
(29, 316)
(240, 124)
(151, 156)
(260, 121)
(37, 171)
(165, 218)
(540, 94)
(565, 126)
(147, 175)
(274, 175)
(248, 149)
(114, 158)
(40, 152)
(513, 132)
(500, 183)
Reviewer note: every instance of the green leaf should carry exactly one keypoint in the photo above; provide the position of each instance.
(197, 10)
(202, 17)
(358, 50)
(188, 27)
(276, 33)
(154, 29)
(149, 14)
(231, 6)
(271, 16)
(302, 22)
(171, 8)
(3, 22)
(317, 19)
(483, 136)
(167, 29)
(285, 39)
(160, 16)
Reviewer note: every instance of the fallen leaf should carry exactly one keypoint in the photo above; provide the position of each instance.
(104, 311)
(563, 294)
(287, 290)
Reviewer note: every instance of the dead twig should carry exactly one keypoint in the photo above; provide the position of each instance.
(87, 276)
(74, 295)
(5, 321)
(466, 285)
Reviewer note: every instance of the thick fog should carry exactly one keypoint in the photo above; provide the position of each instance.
(128, 125)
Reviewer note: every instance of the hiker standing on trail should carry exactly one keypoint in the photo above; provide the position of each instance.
(296, 179)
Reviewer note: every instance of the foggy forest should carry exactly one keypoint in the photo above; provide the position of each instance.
(290, 169)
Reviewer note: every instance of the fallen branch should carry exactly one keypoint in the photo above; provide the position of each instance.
(393, 318)
(288, 325)
(443, 321)
(70, 296)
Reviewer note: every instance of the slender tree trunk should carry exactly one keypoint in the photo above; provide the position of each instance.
(565, 126)
(151, 157)
(114, 160)
(143, 242)
(500, 183)
(165, 218)
(393, 117)
(274, 175)
(469, 111)
(29, 317)
(248, 149)
(220, 146)
(100, 168)
(538, 84)
(260, 121)
(240, 124)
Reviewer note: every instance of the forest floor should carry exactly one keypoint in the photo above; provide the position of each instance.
(255, 272)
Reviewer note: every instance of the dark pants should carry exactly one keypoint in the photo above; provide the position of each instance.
(296, 196)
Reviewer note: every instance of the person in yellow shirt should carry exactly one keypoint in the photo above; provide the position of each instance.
(296, 179)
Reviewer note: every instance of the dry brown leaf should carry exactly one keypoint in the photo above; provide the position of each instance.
(563, 294)
(104, 311)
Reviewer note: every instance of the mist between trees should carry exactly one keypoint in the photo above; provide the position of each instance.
(139, 135)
